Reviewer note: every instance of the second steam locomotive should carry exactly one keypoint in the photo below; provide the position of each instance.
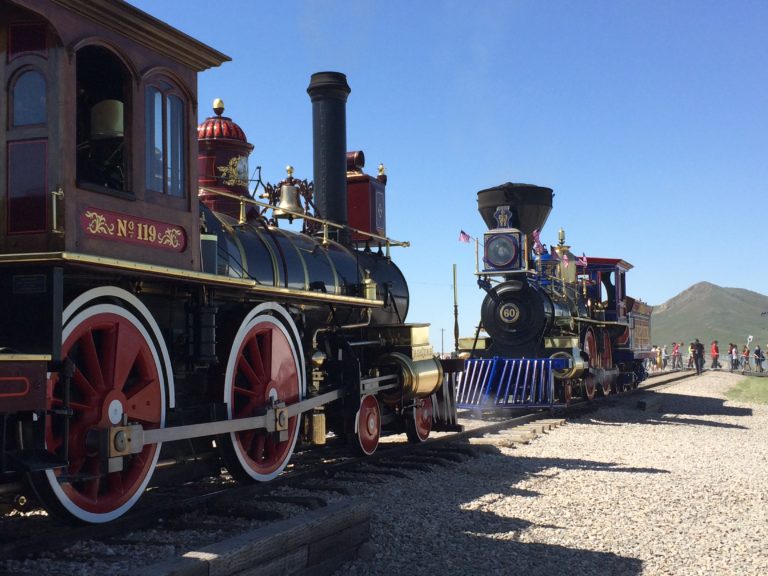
(556, 325)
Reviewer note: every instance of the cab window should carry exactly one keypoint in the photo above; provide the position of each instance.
(102, 117)
(165, 128)
(29, 99)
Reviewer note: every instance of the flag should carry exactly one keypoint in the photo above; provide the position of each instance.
(537, 247)
(582, 261)
(565, 260)
(464, 237)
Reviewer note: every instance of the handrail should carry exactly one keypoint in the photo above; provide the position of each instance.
(324, 223)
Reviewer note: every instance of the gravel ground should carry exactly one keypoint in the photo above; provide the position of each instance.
(676, 488)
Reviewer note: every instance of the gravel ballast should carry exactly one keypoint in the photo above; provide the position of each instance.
(673, 485)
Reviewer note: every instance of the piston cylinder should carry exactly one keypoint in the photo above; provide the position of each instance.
(418, 378)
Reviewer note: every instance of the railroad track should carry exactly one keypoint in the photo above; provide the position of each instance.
(171, 521)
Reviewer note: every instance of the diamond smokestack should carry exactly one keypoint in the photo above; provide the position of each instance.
(530, 205)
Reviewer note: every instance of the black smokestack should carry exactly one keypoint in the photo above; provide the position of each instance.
(329, 91)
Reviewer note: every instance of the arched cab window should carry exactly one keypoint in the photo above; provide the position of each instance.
(29, 98)
(165, 136)
(25, 69)
(103, 159)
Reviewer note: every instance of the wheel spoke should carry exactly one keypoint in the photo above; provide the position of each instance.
(142, 405)
(90, 357)
(248, 373)
(83, 384)
(128, 345)
(258, 352)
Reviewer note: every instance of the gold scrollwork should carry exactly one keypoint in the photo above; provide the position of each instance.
(98, 224)
(170, 238)
(233, 174)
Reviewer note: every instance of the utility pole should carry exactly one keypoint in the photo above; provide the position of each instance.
(455, 313)
(442, 342)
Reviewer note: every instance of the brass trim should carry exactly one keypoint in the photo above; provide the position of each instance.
(25, 357)
(189, 275)
(561, 342)
(324, 223)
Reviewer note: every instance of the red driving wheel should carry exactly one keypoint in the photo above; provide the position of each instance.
(368, 425)
(590, 380)
(567, 392)
(418, 424)
(262, 371)
(117, 379)
(606, 359)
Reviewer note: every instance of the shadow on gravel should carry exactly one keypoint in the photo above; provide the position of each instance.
(481, 529)
(658, 408)
(487, 539)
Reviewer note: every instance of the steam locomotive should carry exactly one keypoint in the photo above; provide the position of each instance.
(555, 325)
(157, 320)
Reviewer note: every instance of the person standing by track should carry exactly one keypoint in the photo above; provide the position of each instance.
(715, 353)
(697, 350)
(745, 365)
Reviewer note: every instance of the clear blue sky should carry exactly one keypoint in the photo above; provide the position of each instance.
(649, 119)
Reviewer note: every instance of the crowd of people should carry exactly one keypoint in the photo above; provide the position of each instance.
(678, 357)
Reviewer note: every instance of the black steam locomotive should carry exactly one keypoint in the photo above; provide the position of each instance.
(555, 324)
(156, 319)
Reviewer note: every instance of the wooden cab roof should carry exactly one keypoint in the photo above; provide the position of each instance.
(127, 20)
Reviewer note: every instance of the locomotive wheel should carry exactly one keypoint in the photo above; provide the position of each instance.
(368, 425)
(418, 423)
(566, 392)
(118, 376)
(606, 359)
(263, 369)
(590, 380)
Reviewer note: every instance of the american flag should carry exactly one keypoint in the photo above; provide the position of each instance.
(464, 237)
(537, 247)
(581, 261)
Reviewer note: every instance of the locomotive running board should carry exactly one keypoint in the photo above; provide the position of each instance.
(509, 382)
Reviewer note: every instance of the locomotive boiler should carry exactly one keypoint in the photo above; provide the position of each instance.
(551, 324)
(158, 319)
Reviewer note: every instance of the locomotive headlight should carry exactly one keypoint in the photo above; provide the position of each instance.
(502, 250)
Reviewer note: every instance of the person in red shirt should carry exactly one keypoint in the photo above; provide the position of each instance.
(715, 353)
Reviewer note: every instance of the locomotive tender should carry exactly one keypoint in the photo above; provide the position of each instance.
(557, 325)
(155, 319)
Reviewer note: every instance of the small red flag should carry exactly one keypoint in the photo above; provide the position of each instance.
(464, 237)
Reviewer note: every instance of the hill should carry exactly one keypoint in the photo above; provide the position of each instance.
(709, 312)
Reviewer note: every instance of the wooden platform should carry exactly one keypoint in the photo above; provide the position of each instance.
(316, 543)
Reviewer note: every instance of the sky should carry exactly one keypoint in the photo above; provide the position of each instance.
(648, 119)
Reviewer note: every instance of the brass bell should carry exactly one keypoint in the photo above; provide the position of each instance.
(289, 199)
(289, 202)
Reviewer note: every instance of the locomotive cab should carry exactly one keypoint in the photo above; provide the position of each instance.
(96, 130)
